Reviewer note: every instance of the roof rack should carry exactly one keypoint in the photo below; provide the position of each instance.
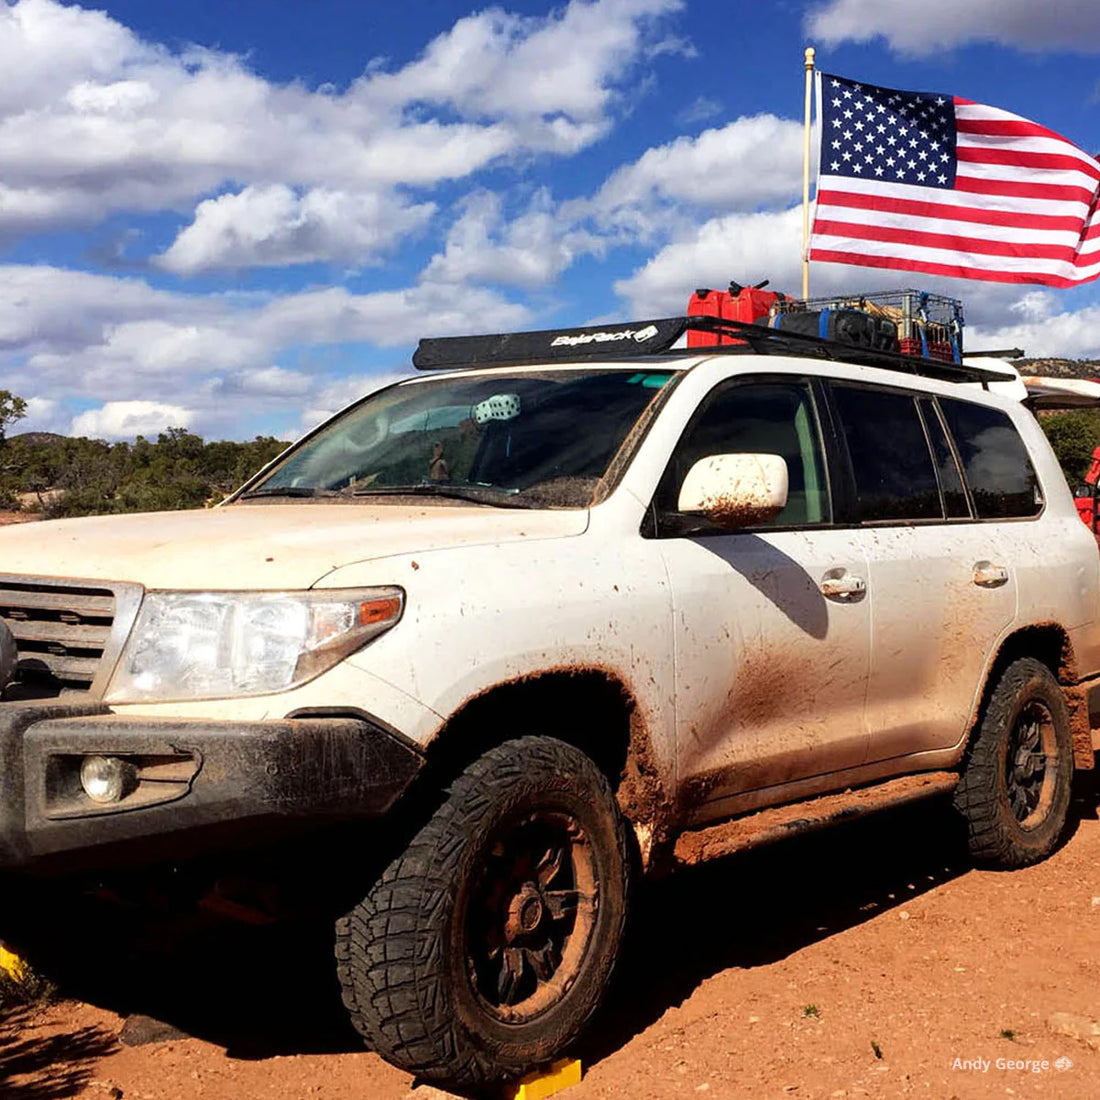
(645, 339)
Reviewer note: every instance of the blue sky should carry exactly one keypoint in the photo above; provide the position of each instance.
(236, 217)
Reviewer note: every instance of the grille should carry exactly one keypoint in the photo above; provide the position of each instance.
(65, 632)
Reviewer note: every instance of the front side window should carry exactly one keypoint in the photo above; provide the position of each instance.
(540, 439)
(758, 418)
(895, 477)
(1003, 483)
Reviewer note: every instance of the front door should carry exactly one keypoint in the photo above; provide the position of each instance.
(771, 625)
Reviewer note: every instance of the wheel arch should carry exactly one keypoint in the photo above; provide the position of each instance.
(591, 708)
(1049, 643)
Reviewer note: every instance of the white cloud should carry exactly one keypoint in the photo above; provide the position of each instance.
(699, 111)
(530, 251)
(942, 24)
(67, 336)
(273, 226)
(387, 318)
(745, 247)
(125, 419)
(495, 64)
(274, 381)
(43, 415)
(94, 120)
(1066, 334)
(754, 160)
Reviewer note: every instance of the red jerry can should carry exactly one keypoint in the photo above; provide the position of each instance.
(740, 303)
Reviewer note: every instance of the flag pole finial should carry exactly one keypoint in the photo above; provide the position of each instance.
(809, 64)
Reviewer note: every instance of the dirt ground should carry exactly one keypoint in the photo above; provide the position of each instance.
(869, 961)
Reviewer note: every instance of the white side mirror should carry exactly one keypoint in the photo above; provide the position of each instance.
(736, 490)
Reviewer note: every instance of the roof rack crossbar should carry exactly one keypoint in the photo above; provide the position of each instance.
(642, 339)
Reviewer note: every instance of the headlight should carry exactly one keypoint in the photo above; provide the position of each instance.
(212, 645)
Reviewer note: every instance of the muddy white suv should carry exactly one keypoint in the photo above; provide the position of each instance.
(526, 629)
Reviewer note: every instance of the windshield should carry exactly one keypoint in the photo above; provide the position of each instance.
(541, 439)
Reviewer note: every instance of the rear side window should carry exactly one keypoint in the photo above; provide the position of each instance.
(895, 477)
(1003, 483)
(951, 482)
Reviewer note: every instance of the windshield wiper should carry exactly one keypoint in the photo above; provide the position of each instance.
(477, 494)
(287, 491)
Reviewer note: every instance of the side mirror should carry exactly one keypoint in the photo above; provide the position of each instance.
(736, 490)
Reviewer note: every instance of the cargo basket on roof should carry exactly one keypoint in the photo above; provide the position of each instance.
(928, 325)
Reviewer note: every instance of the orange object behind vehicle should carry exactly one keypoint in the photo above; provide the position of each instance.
(740, 303)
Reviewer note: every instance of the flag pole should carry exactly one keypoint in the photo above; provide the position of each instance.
(809, 64)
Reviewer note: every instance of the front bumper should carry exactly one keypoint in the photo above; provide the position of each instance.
(198, 785)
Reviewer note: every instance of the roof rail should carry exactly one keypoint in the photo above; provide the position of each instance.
(644, 339)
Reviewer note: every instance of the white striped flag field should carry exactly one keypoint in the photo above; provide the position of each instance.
(940, 184)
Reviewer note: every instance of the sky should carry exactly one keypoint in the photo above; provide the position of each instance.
(238, 217)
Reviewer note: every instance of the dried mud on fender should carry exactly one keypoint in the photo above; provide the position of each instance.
(643, 788)
(644, 798)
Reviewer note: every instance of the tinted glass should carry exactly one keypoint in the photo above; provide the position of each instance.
(759, 418)
(894, 474)
(947, 467)
(543, 439)
(1002, 480)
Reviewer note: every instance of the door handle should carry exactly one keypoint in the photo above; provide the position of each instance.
(988, 575)
(842, 585)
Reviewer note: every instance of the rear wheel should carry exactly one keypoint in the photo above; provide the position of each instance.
(1014, 791)
(484, 948)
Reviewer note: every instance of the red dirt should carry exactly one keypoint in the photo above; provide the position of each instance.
(18, 517)
(773, 973)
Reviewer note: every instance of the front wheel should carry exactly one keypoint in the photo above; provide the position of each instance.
(1014, 791)
(484, 948)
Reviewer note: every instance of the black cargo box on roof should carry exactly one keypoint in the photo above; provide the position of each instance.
(565, 345)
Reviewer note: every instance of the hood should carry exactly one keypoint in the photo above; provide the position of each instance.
(261, 546)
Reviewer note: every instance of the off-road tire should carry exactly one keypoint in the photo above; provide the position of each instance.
(401, 953)
(995, 835)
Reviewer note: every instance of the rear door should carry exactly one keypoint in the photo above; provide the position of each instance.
(770, 671)
(940, 592)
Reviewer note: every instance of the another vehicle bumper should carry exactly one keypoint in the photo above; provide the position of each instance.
(195, 784)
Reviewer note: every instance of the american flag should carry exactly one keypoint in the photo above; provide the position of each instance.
(940, 184)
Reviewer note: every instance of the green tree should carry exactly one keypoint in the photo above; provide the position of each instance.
(12, 408)
(80, 477)
(1073, 436)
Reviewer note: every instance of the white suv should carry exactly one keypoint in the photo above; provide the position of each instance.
(525, 630)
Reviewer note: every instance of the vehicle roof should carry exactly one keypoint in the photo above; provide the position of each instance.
(745, 362)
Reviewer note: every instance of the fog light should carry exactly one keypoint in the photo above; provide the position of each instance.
(107, 778)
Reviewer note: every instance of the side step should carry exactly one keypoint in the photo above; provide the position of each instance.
(777, 822)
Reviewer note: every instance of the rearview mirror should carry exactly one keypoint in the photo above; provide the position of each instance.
(736, 490)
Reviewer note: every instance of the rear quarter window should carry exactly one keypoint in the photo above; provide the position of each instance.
(998, 470)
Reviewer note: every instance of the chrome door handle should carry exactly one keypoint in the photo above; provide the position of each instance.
(988, 575)
(844, 586)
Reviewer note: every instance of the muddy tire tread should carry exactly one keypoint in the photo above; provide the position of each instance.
(391, 939)
(992, 843)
